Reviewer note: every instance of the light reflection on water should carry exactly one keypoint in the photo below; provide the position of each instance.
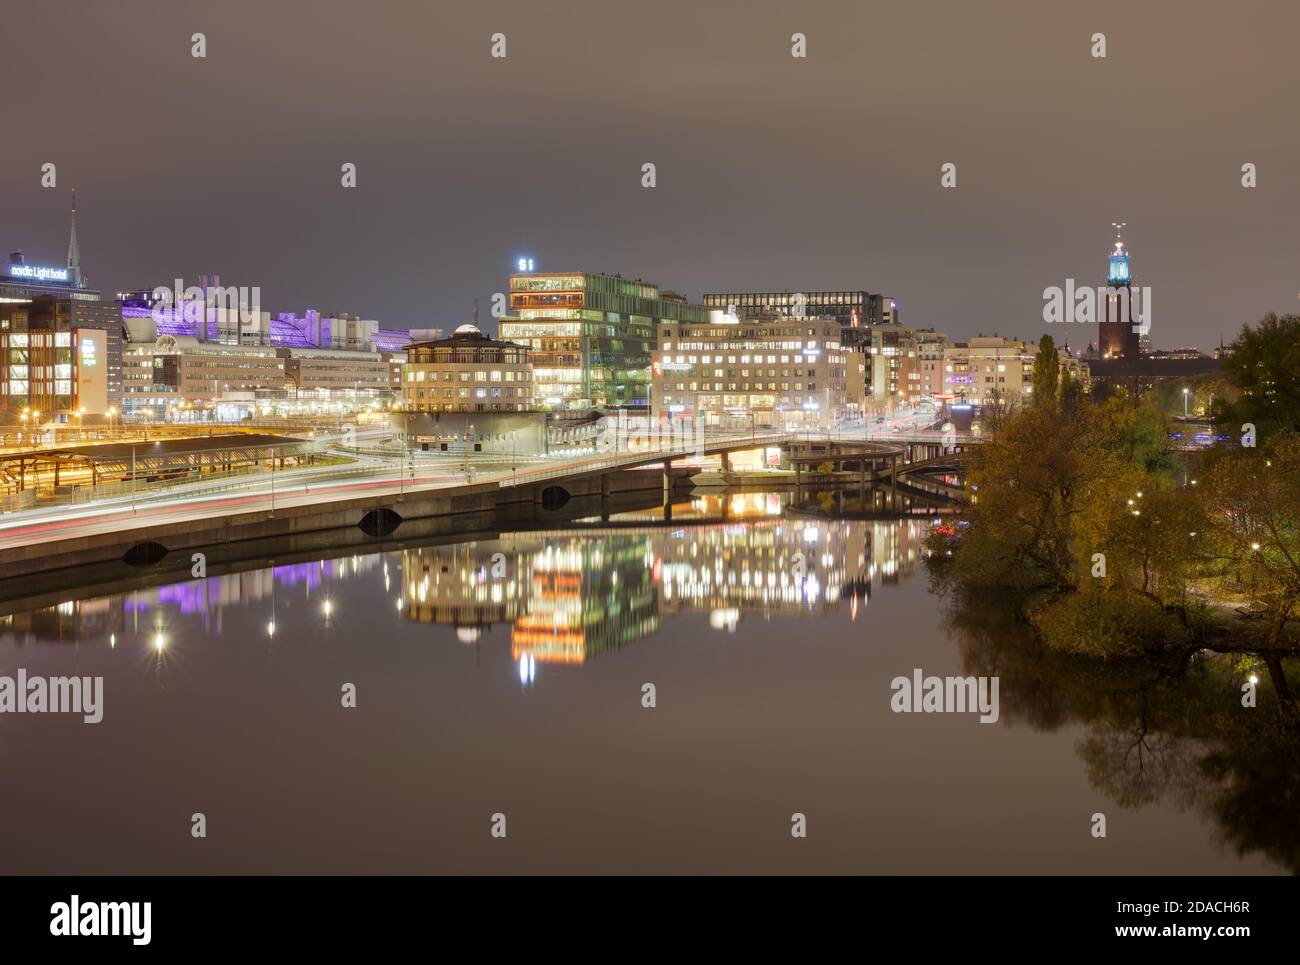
(507, 673)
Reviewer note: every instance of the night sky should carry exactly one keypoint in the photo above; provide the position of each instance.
(773, 172)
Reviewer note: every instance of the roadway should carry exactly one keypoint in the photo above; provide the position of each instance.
(305, 488)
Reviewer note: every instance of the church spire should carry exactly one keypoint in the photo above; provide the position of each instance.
(74, 251)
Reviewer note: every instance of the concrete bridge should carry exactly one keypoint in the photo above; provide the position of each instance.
(377, 506)
(145, 534)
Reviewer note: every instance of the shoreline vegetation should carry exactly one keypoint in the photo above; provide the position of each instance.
(1148, 593)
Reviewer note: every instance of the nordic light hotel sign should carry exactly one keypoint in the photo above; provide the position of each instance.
(47, 273)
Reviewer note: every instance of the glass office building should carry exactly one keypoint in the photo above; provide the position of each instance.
(591, 336)
(856, 311)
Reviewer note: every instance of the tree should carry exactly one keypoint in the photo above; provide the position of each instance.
(996, 410)
(1075, 505)
(1264, 366)
(1029, 484)
(1140, 429)
(1072, 394)
(1047, 372)
(1254, 496)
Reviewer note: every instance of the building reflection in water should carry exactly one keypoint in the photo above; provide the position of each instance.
(570, 595)
(199, 602)
(566, 595)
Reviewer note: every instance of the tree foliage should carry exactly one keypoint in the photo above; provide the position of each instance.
(1264, 368)
(1047, 372)
(1084, 509)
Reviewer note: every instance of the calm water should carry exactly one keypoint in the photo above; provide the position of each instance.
(506, 676)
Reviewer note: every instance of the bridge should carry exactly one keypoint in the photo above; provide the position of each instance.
(112, 530)
(109, 532)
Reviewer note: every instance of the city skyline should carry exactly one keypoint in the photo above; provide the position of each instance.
(444, 207)
(742, 438)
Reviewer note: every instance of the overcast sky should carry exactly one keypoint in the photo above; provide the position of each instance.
(773, 172)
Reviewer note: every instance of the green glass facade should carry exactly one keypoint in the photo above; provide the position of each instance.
(591, 336)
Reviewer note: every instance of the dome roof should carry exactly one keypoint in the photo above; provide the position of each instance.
(467, 329)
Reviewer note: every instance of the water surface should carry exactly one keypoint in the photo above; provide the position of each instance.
(506, 676)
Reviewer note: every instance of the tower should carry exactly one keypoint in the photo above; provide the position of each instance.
(74, 251)
(1115, 335)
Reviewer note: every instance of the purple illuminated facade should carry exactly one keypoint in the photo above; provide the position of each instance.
(285, 330)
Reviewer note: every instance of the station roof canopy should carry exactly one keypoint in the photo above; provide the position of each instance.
(162, 455)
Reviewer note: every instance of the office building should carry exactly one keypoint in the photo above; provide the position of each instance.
(56, 300)
(988, 369)
(59, 357)
(985, 369)
(336, 374)
(779, 372)
(467, 372)
(591, 336)
(856, 311)
(176, 372)
(931, 347)
(893, 371)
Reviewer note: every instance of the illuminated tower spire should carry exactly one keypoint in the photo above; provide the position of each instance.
(1115, 338)
(1118, 276)
(74, 251)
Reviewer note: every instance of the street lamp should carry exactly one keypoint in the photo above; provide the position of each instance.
(1186, 393)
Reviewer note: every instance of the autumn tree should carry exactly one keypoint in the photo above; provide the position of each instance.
(1254, 497)
(1047, 372)
(1264, 368)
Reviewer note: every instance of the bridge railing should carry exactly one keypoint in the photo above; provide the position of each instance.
(647, 456)
(926, 435)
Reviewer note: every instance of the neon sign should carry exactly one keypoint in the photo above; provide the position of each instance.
(524, 264)
(38, 272)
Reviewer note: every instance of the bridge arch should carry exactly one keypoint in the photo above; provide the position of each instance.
(148, 553)
(555, 497)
